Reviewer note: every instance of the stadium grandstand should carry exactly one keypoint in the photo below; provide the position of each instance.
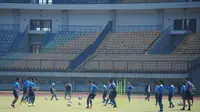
(80, 40)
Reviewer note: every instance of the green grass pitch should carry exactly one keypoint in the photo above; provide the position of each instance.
(138, 104)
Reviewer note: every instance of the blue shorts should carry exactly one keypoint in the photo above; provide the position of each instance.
(91, 95)
(188, 95)
(113, 94)
(25, 91)
(105, 94)
(128, 93)
(156, 95)
(160, 98)
(15, 93)
(170, 97)
(31, 93)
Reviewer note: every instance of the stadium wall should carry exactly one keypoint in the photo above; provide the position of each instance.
(101, 6)
(99, 17)
(139, 17)
(171, 14)
(27, 15)
(91, 17)
(80, 80)
(8, 17)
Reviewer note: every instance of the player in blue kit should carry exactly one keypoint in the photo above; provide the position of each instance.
(109, 91)
(129, 91)
(156, 93)
(183, 93)
(53, 91)
(160, 95)
(15, 92)
(25, 91)
(171, 89)
(105, 92)
(113, 93)
(188, 93)
(92, 94)
(31, 92)
(148, 92)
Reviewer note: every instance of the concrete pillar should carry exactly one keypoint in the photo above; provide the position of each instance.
(160, 18)
(16, 16)
(64, 17)
(113, 18)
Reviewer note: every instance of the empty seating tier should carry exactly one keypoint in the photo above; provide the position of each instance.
(70, 42)
(191, 45)
(139, 63)
(128, 42)
(6, 39)
(41, 61)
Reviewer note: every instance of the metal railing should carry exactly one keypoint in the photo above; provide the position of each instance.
(14, 27)
(135, 66)
(187, 51)
(33, 64)
(159, 38)
(61, 51)
(194, 63)
(80, 28)
(111, 66)
(131, 28)
(121, 51)
(91, 1)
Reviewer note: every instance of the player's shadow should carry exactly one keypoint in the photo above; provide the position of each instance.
(4, 107)
(77, 108)
(177, 110)
(150, 111)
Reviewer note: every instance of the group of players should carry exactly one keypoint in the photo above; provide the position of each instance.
(109, 93)
(29, 88)
(187, 89)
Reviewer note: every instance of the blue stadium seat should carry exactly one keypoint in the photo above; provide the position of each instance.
(6, 39)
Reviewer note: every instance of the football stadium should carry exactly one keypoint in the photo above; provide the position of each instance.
(99, 55)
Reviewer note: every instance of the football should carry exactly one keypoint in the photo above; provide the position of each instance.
(69, 104)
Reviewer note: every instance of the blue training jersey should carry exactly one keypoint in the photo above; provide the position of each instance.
(93, 88)
(112, 87)
(31, 85)
(171, 89)
(105, 88)
(130, 88)
(188, 86)
(16, 86)
(183, 89)
(25, 86)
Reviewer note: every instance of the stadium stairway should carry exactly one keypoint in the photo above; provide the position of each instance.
(16, 43)
(49, 37)
(166, 42)
(91, 49)
(20, 42)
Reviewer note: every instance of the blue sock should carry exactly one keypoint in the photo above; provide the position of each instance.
(23, 97)
(129, 98)
(30, 100)
(33, 100)
(26, 98)
(107, 100)
(90, 102)
(114, 102)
